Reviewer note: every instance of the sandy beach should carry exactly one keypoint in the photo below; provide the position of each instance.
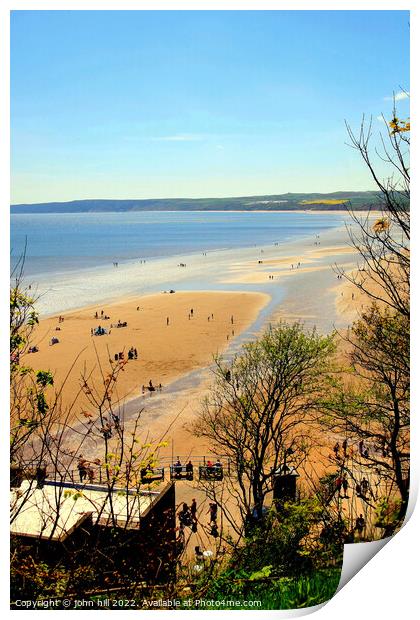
(312, 259)
(173, 334)
(176, 336)
(351, 301)
(171, 341)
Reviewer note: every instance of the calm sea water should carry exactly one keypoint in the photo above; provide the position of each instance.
(69, 258)
(57, 243)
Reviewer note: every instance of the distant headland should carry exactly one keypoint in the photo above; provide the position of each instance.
(277, 202)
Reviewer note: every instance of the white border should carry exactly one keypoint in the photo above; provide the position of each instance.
(387, 586)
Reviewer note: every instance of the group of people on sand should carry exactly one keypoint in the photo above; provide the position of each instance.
(131, 354)
(102, 315)
(188, 518)
(101, 331)
(119, 324)
(337, 449)
(98, 331)
(362, 488)
(363, 449)
(151, 388)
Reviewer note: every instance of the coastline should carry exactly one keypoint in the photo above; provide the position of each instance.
(214, 269)
(256, 285)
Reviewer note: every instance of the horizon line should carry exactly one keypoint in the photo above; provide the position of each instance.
(339, 191)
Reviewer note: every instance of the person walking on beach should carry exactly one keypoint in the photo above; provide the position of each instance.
(213, 512)
(184, 516)
(167, 321)
(365, 486)
(360, 524)
(231, 319)
(193, 510)
(192, 311)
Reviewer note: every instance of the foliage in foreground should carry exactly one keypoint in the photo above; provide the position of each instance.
(283, 593)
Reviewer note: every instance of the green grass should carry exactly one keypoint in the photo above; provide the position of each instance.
(283, 593)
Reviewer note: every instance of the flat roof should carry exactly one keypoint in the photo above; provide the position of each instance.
(54, 511)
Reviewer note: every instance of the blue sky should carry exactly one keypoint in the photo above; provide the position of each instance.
(138, 104)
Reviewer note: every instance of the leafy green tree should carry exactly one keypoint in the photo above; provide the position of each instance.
(258, 407)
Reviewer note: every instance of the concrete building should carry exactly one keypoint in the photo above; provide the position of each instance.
(67, 521)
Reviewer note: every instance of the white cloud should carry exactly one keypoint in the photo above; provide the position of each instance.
(381, 118)
(398, 96)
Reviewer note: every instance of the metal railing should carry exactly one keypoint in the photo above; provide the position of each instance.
(181, 472)
(94, 473)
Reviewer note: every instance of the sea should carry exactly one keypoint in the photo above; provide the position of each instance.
(78, 259)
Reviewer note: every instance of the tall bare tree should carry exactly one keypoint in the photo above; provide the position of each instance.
(371, 406)
(382, 241)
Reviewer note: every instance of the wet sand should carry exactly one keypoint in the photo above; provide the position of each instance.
(312, 258)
